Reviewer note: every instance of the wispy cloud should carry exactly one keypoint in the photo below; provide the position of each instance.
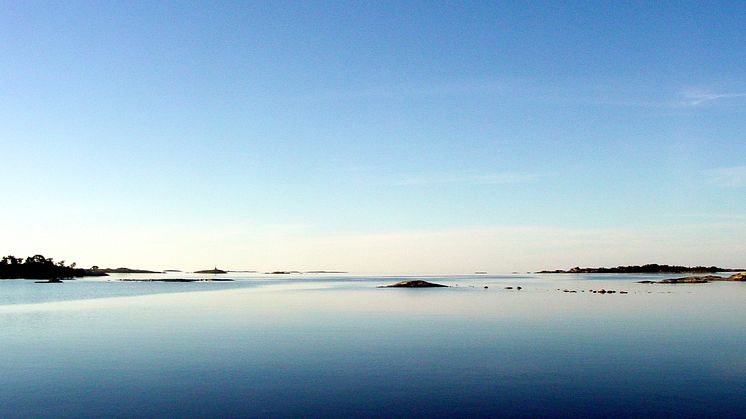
(699, 97)
(470, 179)
(728, 176)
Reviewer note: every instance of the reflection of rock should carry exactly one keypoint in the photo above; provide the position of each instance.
(417, 283)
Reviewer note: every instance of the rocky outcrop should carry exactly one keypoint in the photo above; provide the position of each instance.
(690, 280)
(698, 279)
(417, 283)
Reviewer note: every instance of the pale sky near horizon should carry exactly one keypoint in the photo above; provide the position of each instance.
(395, 137)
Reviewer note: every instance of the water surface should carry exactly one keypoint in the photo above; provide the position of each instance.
(331, 345)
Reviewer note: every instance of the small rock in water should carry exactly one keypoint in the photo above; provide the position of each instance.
(518, 288)
(508, 288)
(623, 292)
(485, 287)
(413, 284)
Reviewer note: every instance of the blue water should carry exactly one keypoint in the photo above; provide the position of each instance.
(338, 346)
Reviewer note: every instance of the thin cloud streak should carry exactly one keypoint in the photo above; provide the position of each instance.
(694, 98)
(471, 179)
(728, 176)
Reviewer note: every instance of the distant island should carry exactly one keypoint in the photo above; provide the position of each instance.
(211, 271)
(171, 270)
(127, 271)
(652, 268)
(326, 272)
(39, 267)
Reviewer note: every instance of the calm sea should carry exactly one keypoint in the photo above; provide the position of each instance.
(337, 346)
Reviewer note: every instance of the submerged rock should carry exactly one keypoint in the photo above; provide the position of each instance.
(417, 283)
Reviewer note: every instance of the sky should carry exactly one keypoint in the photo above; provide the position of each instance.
(391, 137)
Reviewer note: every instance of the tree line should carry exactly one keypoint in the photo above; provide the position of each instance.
(38, 267)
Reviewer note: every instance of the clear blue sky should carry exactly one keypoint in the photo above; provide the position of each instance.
(395, 136)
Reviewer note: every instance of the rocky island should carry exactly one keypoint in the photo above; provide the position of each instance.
(699, 279)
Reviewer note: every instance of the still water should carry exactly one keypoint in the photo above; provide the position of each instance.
(338, 346)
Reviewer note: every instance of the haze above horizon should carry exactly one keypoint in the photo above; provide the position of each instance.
(411, 137)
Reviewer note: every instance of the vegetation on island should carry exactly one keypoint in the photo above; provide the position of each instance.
(652, 268)
(39, 267)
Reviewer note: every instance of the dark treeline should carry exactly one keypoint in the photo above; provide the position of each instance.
(39, 267)
(644, 269)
